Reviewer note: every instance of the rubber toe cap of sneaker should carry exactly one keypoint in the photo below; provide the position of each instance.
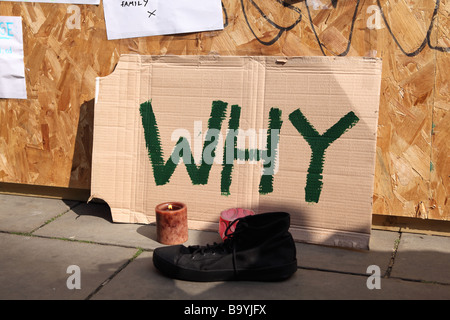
(170, 254)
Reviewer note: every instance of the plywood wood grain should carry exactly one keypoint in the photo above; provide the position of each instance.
(47, 139)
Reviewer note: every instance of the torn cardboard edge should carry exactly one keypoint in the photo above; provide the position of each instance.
(145, 78)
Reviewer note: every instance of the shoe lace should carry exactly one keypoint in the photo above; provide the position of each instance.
(229, 244)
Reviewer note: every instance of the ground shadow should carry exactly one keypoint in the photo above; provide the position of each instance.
(99, 209)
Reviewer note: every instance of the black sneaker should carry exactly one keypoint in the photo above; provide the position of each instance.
(261, 249)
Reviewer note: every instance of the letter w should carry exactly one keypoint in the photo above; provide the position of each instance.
(162, 172)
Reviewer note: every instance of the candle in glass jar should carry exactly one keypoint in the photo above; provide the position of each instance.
(171, 223)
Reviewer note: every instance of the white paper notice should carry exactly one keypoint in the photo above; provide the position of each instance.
(130, 19)
(12, 69)
(60, 1)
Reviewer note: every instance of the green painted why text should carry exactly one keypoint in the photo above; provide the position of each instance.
(199, 173)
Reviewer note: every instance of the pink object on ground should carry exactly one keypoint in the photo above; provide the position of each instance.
(227, 216)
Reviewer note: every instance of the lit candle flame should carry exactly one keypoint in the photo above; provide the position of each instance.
(170, 207)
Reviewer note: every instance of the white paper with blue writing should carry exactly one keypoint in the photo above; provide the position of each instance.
(130, 19)
(60, 1)
(12, 69)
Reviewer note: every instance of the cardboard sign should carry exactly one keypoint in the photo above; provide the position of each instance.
(130, 19)
(12, 69)
(294, 134)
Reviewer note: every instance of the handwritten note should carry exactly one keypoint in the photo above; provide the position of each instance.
(12, 69)
(130, 19)
(60, 1)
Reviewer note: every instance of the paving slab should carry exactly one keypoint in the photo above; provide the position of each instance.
(382, 245)
(140, 280)
(92, 222)
(35, 268)
(423, 257)
(24, 214)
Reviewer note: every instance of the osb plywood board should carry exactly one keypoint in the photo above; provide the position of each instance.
(47, 139)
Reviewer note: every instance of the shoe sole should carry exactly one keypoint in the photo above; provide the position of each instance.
(277, 273)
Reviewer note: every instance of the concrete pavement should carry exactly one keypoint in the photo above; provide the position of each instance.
(46, 243)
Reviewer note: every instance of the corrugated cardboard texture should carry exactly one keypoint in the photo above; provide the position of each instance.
(326, 110)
